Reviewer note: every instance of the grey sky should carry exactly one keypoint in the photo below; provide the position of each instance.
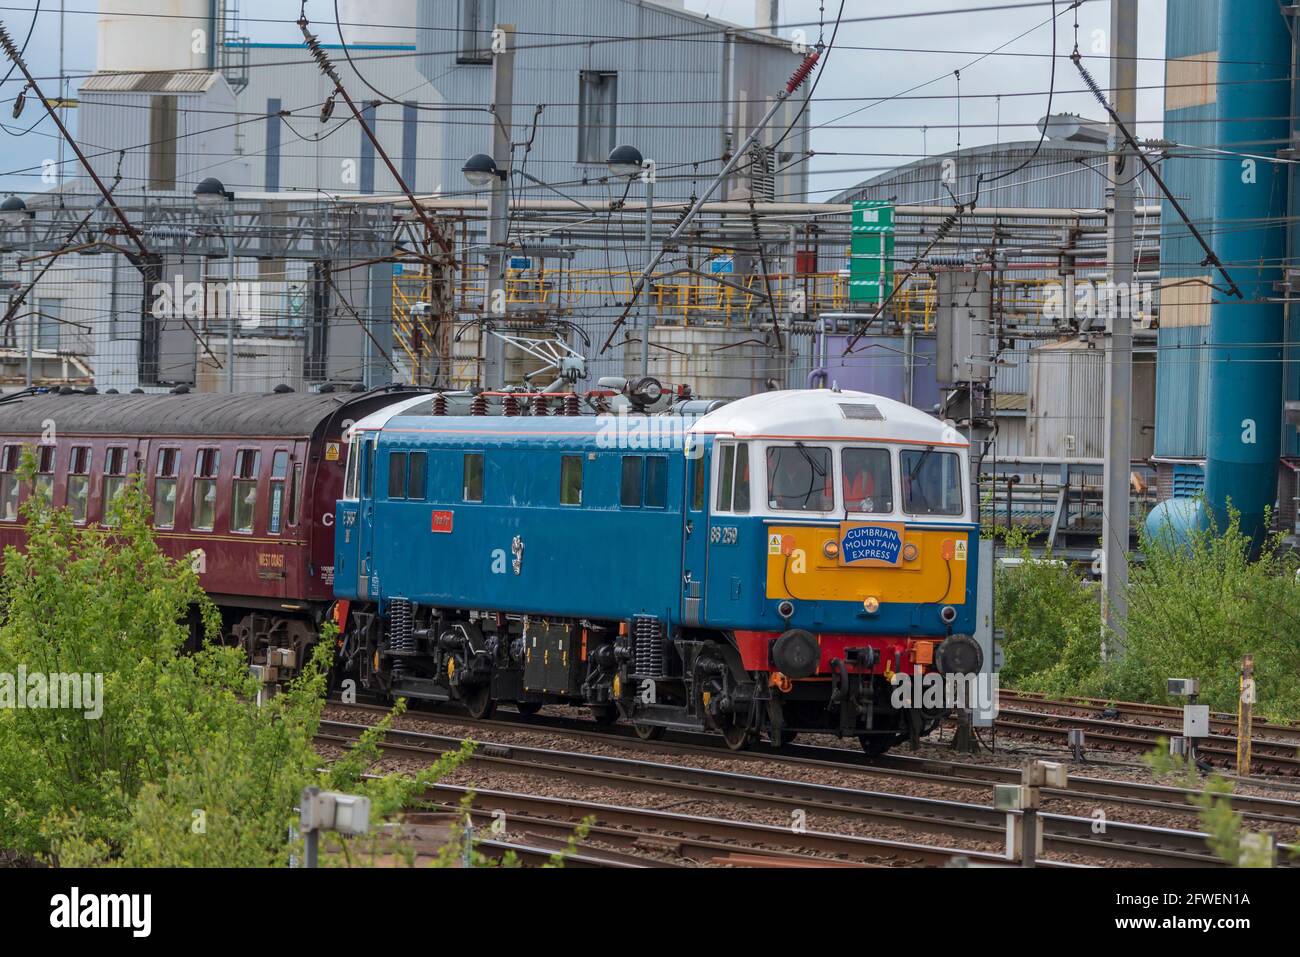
(855, 136)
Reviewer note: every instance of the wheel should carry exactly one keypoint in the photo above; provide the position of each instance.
(478, 701)
(648, 732)
(737, 736)
(528, 708)
(604, 713)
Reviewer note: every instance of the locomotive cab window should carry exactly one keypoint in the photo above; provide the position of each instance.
(733, 478)
(867, 482)
(79, 483)
(9, 482)
(206, 466)
(279, 473)
(350, 481)
(164, 488)
(931, 482)
(114, 479)
(800, 478)
(44, 484)
(570, 479)
(243, 489)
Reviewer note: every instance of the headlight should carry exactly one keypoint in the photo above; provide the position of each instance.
(871, 604)
(831, 549)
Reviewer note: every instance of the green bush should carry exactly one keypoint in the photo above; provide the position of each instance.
(1050, 621)
(1195, 609)
(182, 767)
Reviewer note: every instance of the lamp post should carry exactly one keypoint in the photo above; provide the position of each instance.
(482, 172)
(211, 195)
(626, 162)
(14, 212)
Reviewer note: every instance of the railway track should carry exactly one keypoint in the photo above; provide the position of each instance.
(1221, 750)
(1221, 722)
(1266, 811)
(969, 823)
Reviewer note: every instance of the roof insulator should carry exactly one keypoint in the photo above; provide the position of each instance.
(358, 387)
(180, 390)
(281, 389)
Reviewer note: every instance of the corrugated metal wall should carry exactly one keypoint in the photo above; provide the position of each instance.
(1181, 370)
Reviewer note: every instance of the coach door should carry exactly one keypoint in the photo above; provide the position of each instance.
(695, 533)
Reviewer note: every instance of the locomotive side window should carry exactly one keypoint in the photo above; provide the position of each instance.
(697, 485)
(79, 483)
(279, 471)
(799, 478)
(570, 479)
(396, 475)
(473, 477)
(206, 467)
(931, 482)
(733, 479)
(867, 482)
(44, 484)
(630, 492)
(243, 489)
(164, 488)
(417, 476)
(9, 483)
(114, 479)
(656, 481)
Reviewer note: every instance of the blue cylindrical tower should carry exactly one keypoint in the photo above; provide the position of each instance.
(1245, 380)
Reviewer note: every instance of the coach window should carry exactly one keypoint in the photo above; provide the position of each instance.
(243, 489)
(206, 466)
(417, 472)
(867, 481)
(295, 493)
(473, 483)
(799, 478)
(630, 492)
(396, 475)
(114, 480)
(931, 482)
(570, 479)
(79, 483)
(733, 478)
(164, 488)
(279, 472)
(9, 483)
(656, 481)
(44, 485)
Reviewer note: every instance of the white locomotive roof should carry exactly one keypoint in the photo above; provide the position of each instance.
(376, 420)
(827, 414)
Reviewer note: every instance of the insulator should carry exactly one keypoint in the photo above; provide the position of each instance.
(539, 405)
(440, 404)
(479, 405)
(510, 406)
(571, 403)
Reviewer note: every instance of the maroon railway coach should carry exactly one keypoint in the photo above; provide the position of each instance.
(245, 484)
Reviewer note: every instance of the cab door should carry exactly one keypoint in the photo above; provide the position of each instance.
(367, 580)
(695, 533)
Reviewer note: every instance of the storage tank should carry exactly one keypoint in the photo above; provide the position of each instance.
(139, 36)
(379, 22)
(1066, 410)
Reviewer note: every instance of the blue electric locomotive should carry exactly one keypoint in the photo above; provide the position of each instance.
(766, 568)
